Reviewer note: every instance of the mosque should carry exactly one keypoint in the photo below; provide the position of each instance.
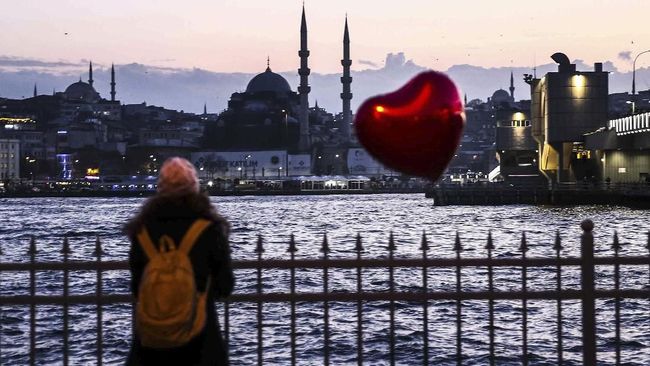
(82, 97)
(266, 129)
(269, 114)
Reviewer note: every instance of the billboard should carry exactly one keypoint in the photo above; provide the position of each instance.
(250, 164)
(361, 163)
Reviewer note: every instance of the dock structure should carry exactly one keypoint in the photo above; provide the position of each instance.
(632, 195)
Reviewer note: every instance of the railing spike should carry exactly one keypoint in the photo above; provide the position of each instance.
(292, 244)
(558, 241)
(425, 243)
(490, 244)
(358, 246)
(32, 246)
(458, 247)
(524, 245)
(259, 248)
(391, 242)
(325, 248)
(66, 246)
(615, 244)
(98, 252)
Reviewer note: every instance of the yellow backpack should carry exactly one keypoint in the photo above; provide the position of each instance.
(170, 311)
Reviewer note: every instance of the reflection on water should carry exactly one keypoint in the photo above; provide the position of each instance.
(341, 217)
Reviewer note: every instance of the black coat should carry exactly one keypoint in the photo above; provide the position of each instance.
(209, 255)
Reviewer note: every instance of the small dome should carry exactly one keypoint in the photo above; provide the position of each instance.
(268, 81)
(81, 91)
(500, 96)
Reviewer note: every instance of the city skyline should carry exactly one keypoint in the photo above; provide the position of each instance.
(232, 36)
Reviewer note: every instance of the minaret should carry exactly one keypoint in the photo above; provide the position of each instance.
(512, 87)
(303, 89)
(112, 82)
(90, 74)
(346, 80)
(205, 109)
(35, 90)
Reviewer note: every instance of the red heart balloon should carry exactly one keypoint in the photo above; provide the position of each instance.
(416, 129)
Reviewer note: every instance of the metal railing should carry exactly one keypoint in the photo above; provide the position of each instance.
(587, 293)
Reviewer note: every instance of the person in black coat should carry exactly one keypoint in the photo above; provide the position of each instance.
(177, 204)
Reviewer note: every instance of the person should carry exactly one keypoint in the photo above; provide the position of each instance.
(171, 212)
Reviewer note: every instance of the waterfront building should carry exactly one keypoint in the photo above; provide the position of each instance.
(566, 105)
(9, 160)
(623, 149)
(516, 148)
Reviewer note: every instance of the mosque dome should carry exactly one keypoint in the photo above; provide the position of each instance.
(500, 96)
(81, 91)
(268, 81)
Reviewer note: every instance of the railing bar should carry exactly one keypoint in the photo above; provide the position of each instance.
(459, 338)
(326, 305)
(292, 284)
(425, 305)
(100, 310)
(32, 304)
(343, 263)
(617, 308)
(588, 300)
(1, 311)
(226, 323)
(558, 269)
(359, 249)
(489, 248)
(259, 250)
(391, 307)
(347, 297)
(66, 288)
(524, 303)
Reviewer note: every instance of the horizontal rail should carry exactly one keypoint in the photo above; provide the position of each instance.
(343, 297)
(343, 263)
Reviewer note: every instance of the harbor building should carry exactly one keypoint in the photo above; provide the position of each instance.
(516, 148)
(623, 149)
(9, 160)
(565, 105)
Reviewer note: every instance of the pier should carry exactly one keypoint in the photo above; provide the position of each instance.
(631, 195)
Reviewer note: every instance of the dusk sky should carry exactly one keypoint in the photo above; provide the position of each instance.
(236, 35)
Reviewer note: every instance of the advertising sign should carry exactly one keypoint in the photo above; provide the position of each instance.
(299, 164)
(361, 163)
(241, 164)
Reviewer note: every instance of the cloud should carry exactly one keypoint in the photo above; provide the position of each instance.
(11, 61)
(368, 63)
(188, 88)
(625, 55)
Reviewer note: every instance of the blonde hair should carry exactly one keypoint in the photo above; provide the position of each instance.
(178, 177)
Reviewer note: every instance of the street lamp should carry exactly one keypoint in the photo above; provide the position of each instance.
(633, 105)
(634, 71)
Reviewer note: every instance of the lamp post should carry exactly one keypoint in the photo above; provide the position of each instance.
(634, 71)
(633, 105)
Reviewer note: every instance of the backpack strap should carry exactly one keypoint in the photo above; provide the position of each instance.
(145, 242)
(192, 235)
